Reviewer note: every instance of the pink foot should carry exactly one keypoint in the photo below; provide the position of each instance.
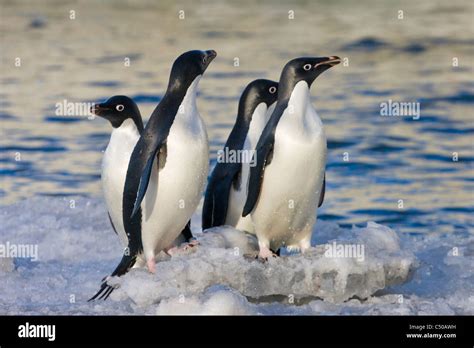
(151, 265)
(171, 251)
(265, 253)
(179, 250)
(191, 244)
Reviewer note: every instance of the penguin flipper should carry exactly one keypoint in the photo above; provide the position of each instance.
(216, 200)
(264, 153)
(144, 180)
(256, 176)
(206, 221)
(111, 222)
(323, 191)
(220, 201)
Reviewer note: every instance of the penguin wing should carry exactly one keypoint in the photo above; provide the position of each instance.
(264, 153)
(111, 222)
(216, 200)
(143, 185)
(264, 157)
(323, 191)
(146, 173)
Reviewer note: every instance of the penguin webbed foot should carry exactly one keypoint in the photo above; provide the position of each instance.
(266, 254)
(151, 265)
(266, 259)
(251, 256)
(192, 243)
(262, 258)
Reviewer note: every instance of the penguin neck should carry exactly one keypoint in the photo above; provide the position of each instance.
(137, 120)
(249, 118)
(187, 108)
(286, 86)
(178, 91)
(244, 115)
(177, 106)
(257, 124)
(134, 121)
(299, 99)
(128, 126)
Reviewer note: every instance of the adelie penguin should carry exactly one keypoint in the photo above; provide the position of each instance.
(167, 170)
(287, 185)
(227, 188)
(125, 118)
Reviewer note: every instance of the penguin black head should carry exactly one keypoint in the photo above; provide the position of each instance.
(305, 69)
(187, 67)
(117, 109)
(256, 92)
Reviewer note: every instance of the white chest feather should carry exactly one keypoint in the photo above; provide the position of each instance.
(292, 182)
(114, 170)
(257, 124)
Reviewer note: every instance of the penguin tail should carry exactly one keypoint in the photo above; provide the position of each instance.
(103, 293)
(123, 267)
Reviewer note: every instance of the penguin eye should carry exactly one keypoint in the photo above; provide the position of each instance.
(307, 67)
(204, 60)
(120, 107)
(272, 89)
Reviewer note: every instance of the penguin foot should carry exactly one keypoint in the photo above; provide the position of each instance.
(191, 244)
(171, 251)
(251, 256)
(151, 265)
(182, 249)
(265, 254)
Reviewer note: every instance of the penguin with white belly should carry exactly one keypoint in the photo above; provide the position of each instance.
(227, 188)
(167, 170)
(287, 184)
(124, 116)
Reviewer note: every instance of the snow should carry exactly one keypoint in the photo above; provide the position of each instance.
(391, 273)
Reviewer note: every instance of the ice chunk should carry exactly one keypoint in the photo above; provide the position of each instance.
(215, 301)
(220, 259)
(6, 264)
(77, 247)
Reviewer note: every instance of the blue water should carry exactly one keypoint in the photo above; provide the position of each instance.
(390, 158)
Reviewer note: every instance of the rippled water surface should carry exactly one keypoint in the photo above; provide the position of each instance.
(388, 158)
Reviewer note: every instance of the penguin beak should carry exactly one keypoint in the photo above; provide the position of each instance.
(210, 55)
(331, 61)
(98, 109)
